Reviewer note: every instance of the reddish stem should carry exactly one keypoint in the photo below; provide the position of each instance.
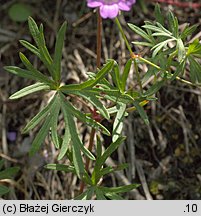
(98, 42)
(98, 64)
(180, 4)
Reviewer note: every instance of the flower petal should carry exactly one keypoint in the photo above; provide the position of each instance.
(94, 4)
(109, 11)
(126, 5)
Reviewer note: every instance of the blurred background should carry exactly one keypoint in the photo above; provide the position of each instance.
(164, 157)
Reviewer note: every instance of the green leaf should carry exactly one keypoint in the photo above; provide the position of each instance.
(29, 90)
(54, 135)
(194, 48)
(141, 111)
(173, 24)
(94, 101)
(48, 113)
(90, 83)
(140, 32)
(9, 173)
(154, 88)
(22, 73)
(159, 16)
(159, 46)
(188, 30)
(99, 194)
(40, 137)
(98, 147)
(143, 43)
(83, 117)
(19, 12)
(77, 160)
(90, 193)
(195, 70)
(109, 169)
(125, 74)
(3, 190)
(115, 73)
(30, 47)
(156, 29)
(77, 145)
(181, 49)
(60, 167)
(33, 28)
(44, 53)
(101, 160)
(38, 36)
(39, 117)
(82, 196)
(58, 52)
(113, 196)
(121, 189)
(179, 70)
(34, 71)
(66, 139)
(118, 122)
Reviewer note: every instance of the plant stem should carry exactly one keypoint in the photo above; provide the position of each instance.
(98, 42)
(131, 53)
(123, 35)
(138, 75)
(98, 64)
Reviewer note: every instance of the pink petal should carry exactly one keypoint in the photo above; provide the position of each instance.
(94, 4)
(123, 6)
(126, 5)
(109, 11)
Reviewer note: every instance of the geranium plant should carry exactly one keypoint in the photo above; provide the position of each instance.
(107, 83)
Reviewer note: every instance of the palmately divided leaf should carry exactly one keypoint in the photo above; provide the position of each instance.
(29, 90)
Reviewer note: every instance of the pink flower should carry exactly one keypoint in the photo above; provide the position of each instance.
(111, 8)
